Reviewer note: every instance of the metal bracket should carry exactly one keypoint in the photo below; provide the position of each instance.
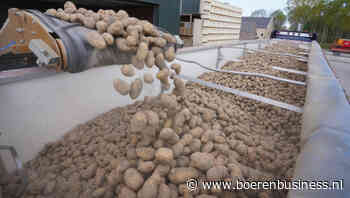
(46, 55)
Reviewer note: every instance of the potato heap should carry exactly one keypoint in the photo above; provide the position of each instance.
(143, 40)
(152, 147)
(289, 62)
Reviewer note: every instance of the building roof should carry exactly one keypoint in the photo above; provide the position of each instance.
(261, 22)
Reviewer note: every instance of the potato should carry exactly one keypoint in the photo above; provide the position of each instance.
(89, 172)
(136, 88)
(101, 26)
(96, 17)
(127, 70)
(122, 14)
(169, 38)
(145, 153)
(178, 149)
(157, 50)
(99, 192)
(176, 67)
(137, 63)
(164, 155)
(122, 45)
(182, 174)
(96, 40)
(89, 22)
(170, 54)
(69, 10)
(108, 38)
(138, 122)
(109, 19)
(149, 29)
(132, 40)
(150, 60)
(168, 135)
(180, 87)
(142, 51)
(163, 76)
(116, 28)
(217, 172)
(150, 187)
(202, 161)
(69, 4)
(127, 193)
(52, 12)
(146, 166)
(63, 16)
(148, 78)
(134, 28)
(208, 147)
(164, 191)
(79, 18)
(160, 63)
(133, 179)
(121, 86)
(74, 18)
(160, 42)
(129, 21)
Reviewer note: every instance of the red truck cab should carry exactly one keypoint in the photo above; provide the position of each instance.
(341, 46)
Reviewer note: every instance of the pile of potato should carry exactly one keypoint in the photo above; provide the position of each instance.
(289, 62)
(143, 40)
(149, 149)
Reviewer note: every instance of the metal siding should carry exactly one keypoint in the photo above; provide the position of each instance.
(168, 12)
(190, 6)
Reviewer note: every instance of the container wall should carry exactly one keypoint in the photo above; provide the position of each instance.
(325, 133)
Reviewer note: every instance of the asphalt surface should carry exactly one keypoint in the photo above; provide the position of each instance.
(341, 67)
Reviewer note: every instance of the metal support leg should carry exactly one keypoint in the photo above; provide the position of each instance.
(244, 49)
(219, 58)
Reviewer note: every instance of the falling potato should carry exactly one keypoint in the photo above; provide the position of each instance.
(136, 88)
(148, 78)
(142, 51)
(150, 60)
(170, 54)
(176, 67)
(127, 70)
(137, 63)
(121, 86)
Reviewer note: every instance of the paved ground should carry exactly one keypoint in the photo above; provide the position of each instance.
(341, 67)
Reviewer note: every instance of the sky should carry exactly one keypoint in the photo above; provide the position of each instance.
(249, 6)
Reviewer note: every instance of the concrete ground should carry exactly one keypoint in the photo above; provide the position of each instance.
(341, 67)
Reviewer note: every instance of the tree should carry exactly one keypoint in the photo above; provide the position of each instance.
(259, 13)
(328, 18)
(279, 19)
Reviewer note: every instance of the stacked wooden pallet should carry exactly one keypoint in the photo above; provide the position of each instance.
(221, 22)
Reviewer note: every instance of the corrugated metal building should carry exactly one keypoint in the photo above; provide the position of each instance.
(163, 13)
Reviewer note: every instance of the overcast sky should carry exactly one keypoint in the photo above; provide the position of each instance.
(250, 5)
